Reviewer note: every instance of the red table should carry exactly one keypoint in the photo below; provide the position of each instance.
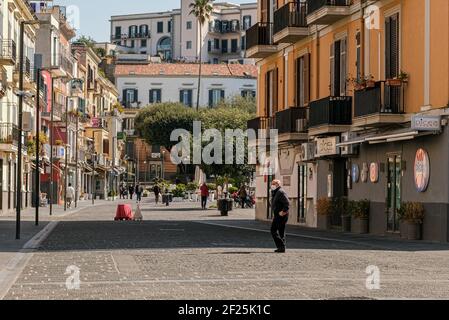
(124, 212)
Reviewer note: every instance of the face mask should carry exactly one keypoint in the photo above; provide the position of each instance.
(273, 187)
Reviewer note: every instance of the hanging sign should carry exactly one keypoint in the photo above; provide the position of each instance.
(426, 123)
(422, 170)
(374, 172)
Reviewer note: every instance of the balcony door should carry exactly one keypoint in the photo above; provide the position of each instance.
(267, 10)
(302, 80)
(302, 192)
(338, 68)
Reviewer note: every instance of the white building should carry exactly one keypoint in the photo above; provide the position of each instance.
(174, 35)
(140, 85)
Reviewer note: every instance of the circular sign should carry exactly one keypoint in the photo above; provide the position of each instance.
(355, 173)
(374, 172)
(422, 170)
(364, 173)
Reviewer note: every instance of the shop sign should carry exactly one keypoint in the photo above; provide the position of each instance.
(364, 173)
(327, 146)
(355, 173)
(421, 170)
(374, 172)
(426, 123)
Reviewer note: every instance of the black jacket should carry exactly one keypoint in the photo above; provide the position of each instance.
(279, 202)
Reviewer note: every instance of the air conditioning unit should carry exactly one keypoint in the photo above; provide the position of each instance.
(351, 150)
(301, 125)
(307, 152)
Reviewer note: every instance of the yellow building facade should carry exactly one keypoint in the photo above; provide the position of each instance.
(352, 87)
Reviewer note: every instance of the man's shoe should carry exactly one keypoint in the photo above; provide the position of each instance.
(280, 250)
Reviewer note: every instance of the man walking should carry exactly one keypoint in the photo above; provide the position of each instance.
(139, 191)
(156, 191)
(243, 195)
(131, 191)
(280, 206)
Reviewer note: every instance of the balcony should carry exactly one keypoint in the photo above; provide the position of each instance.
(62, 65)
(326, 12)
(259, 41)
(28, 74)
(138, 35)
(330, 115)
(9, 137)
(131, 105)
(262, 123)
(223, 27)
(292, 124)
(3, 82)
(379, 105)
(8, 53)
(290, 23)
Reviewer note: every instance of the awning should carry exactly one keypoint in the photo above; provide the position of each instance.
(394, 136)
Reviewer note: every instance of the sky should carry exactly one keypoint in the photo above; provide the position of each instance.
(94, 15)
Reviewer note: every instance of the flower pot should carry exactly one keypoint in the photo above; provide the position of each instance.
(346, 223)
(360, 226)
(394, 82)
(411, 230)
(370, 84)
(324, 222)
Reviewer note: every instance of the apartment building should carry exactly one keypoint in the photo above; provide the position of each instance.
(359, 92)
(175, 34)
(142, 85)
(11, 14)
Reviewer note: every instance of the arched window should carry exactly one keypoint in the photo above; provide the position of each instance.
(143, 30)
(164, 48)
(132, 31)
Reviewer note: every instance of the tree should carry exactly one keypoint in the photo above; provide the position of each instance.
(156, 122)
(202, 10)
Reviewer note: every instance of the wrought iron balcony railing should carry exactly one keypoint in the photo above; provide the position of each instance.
(331, 111)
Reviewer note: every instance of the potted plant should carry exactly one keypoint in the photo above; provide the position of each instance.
(369, 81)
(360, 215)
(358, 83)
(346, 215)
(403, 76)
(411, 215)
(324, 213)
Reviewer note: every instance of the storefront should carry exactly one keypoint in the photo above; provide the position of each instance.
(406, 165)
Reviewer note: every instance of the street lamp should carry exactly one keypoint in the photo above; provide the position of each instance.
(20, 124)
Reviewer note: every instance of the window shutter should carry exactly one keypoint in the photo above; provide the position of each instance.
(211, 98)
(125, 96)
(136, 93)
(387, 48)
(306, 79)
(222, 93)
(298, 81)
(332, 69)
(190, 98)
(181, 96)
(394, 71)
(151, 97)
(267, 96)
(159, 96)
(275, 91)
(343, 67)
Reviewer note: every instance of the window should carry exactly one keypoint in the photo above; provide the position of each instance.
(169, 26)
(185, 97)
(118, 32)
(216, 44)
(143, 29)
(246, 22)
(132, 32)
(189, 45)
(271, 88)
(392, 46)
(155, 96)
(189, 25)
(209, 46)
(133, 44)
(248, 93)
(160, 27)
(215, 61)
(358, 62)
(234, 45)
(338, 67)
(143, 43)
(215, 96)
(243, 43)
(130, 96)
(224, 46)
(302, 80)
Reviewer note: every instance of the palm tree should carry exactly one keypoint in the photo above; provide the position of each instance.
(202, 10)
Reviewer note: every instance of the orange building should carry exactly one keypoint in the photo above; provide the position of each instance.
(359, 93)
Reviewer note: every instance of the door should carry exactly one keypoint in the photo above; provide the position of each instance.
(393, 192)
(302, 192)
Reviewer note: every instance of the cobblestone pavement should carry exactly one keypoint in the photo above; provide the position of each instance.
(179, 252)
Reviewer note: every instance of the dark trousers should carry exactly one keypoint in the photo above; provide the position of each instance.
(139, 196)
(243, 200)
(203, 202)
(278, 231)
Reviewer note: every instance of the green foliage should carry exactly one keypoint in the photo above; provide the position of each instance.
(360, 209)
(233, 189)
(192, 186)
(412, 212)
(211, 186)
(179, 191)
(201, 9)
(156, 122)
(87, 40)
(245, 104)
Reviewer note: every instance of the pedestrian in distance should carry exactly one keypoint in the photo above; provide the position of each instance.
(139, 191)
(122, 191)
(243, 196)
(204, 190)
(70, 195)
(280, 206)
(157, 192)
(131, 191)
